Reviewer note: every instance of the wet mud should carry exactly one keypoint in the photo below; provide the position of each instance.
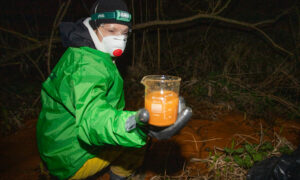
(20, 159)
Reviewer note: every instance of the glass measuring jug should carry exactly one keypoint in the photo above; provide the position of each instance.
(161, 98)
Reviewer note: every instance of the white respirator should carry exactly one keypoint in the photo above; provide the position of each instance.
(114, 45)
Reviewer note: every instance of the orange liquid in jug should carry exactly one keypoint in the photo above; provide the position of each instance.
(162, 107)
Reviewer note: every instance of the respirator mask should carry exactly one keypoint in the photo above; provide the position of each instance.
(114, 37)
(114, 42)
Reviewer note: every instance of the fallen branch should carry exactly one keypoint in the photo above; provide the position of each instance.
(213, 139)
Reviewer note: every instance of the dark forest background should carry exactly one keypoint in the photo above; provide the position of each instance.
(231, 54)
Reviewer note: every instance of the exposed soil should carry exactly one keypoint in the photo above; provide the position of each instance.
(20, 159)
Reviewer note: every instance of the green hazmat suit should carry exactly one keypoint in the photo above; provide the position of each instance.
(82, 111)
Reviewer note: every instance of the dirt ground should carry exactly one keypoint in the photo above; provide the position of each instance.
(20, 160)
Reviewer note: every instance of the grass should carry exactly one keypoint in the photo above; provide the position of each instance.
(233, 162)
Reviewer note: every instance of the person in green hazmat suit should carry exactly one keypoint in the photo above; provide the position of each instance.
(82, 127)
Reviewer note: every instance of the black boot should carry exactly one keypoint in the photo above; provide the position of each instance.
(113, 176)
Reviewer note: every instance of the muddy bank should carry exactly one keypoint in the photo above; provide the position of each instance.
(20, 159)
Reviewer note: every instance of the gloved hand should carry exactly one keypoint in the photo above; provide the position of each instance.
(140, 120)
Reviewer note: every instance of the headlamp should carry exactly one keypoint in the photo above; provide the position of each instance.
(117, 15)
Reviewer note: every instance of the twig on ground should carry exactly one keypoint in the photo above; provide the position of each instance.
(213, 139)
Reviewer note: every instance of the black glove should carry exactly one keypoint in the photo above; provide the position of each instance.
(141, 119)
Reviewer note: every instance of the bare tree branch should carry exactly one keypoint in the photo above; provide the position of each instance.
(222, 8)
(270, 21)
(19, 34)
(214, 17)
(59, 16)
(30, 48)
(36, 66)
